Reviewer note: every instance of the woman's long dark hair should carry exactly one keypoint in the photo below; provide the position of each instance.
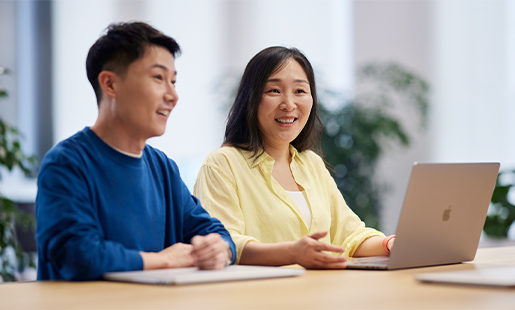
(242, 130)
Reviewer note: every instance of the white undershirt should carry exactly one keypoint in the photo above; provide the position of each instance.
(302, 203)
(127, 153)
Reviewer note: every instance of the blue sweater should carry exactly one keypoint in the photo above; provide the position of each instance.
(96, 208)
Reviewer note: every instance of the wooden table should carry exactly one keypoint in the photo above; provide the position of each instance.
(344, 289)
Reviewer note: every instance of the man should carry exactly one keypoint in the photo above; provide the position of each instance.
(107, 201)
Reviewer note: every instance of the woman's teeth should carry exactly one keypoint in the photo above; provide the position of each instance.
(285, 121)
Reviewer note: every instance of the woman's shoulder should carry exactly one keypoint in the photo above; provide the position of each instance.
(223, 156)
(311, 158)
(314, 165)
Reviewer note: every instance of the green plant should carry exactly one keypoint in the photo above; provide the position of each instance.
(12, 256)
(501, 214)
(355, 134)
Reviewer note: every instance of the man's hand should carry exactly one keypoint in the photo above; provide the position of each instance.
(175, 256)
(210, 252)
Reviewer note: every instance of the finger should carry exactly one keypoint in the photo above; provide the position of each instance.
(320, 246)
(317, 235)
(204, 255)
(201, 247)
(217, 262)
(210, 250)
(178, 248)
(328, 258)
(198, 241)
(180, 257)
(208, 245)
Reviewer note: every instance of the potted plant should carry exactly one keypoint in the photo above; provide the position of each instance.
(12, 256)
(355, 134)
(501, 214)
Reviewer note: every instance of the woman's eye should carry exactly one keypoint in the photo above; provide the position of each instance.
(274, 91)
(159, 77)
(301, 91)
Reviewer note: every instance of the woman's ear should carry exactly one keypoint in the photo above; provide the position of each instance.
(107, 81)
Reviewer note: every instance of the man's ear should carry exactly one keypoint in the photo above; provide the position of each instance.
(108, 82)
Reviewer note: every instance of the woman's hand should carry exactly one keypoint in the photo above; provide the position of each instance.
(308, 252)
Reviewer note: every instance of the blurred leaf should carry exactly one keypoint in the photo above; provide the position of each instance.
(501, 214)
(355, 135)
(11, 155)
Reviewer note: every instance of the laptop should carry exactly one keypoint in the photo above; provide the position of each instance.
(485, 276)
(442, 217)
(178, 276)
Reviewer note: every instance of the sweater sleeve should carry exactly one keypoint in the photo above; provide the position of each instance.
(195, 219)
(71, 242)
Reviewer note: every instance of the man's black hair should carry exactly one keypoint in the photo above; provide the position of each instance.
(121, 45)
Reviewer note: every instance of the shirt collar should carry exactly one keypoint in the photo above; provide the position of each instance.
(256, 161)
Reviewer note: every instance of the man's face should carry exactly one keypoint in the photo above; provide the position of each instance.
(146, 95)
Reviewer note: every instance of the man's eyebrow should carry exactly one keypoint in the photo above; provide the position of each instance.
(296, 81)
(162, 67)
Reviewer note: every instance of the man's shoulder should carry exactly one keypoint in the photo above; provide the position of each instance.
(157, 158)
(68, 157)
(155, 154)
(68, 148)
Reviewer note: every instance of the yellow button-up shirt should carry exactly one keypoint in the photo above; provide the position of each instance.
(241, 192)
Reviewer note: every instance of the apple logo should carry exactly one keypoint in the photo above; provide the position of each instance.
(446, 214)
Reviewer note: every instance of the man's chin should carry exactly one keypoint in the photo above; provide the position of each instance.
(160, 132)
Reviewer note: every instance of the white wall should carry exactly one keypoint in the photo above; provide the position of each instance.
(398, 31)
(8, 59)
(218, 38)
(473, 114)
(466, 51)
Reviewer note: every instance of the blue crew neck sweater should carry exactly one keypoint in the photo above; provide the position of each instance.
(96, 208)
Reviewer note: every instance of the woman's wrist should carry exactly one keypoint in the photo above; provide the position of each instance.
(291, 252)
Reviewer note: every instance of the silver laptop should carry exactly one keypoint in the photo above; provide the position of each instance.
(192, 275)
(485, 276)
(442, 217)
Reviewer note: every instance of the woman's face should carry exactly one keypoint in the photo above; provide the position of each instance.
(285, 105)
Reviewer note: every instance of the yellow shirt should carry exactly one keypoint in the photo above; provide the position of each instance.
(253, 206)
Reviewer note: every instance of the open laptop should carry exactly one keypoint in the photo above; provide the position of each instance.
(177, 276)
(442, 217)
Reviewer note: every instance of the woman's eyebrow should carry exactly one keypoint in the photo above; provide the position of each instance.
(296, 81)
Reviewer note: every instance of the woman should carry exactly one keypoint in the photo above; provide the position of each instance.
(272, 193)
